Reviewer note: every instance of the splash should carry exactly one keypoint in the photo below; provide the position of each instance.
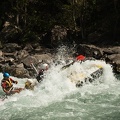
(58, 84)
(57, 88)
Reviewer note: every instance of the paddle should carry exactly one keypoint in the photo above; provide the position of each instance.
(2, 99)
(34, 68)
(78, 58)
(66, 66)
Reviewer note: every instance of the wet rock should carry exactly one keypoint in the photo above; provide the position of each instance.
(11, 47)
(1, 53)
(28, 60)
(22, 54)
(89, 51)
(20, 72)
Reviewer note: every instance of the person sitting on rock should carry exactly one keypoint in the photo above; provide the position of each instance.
(7, 85)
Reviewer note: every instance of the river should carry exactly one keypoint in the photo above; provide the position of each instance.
(57, 98)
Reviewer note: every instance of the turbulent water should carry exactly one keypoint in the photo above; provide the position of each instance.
(57, 98)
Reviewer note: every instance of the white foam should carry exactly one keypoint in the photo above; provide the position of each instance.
(57, 84)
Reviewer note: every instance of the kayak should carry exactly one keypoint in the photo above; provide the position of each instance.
(90, 75)
(95, 75)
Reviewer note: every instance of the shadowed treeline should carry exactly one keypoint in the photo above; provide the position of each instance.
(86, 21)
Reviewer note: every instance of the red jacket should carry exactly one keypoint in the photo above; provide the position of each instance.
(7, 83)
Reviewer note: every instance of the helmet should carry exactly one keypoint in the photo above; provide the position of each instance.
(44, 66)
(6, 75)
(80, 57)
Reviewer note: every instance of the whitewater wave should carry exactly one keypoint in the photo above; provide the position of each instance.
(57, 84)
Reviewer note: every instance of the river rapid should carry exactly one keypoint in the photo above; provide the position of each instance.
(57, 98)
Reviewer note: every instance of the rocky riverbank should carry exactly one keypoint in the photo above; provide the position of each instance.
(16, 59)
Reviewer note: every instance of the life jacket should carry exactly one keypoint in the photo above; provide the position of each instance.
(7, 84)
(39, 77)
(41, 72)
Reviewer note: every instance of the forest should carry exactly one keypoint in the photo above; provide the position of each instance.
(80, 21)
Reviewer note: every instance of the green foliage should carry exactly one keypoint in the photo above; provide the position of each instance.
(38, 16)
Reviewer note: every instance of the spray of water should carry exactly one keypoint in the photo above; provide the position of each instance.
(57, 85)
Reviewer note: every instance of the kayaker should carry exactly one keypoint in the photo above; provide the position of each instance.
(7, 85)
(43, 67)
(80, 58)
(30, 84)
